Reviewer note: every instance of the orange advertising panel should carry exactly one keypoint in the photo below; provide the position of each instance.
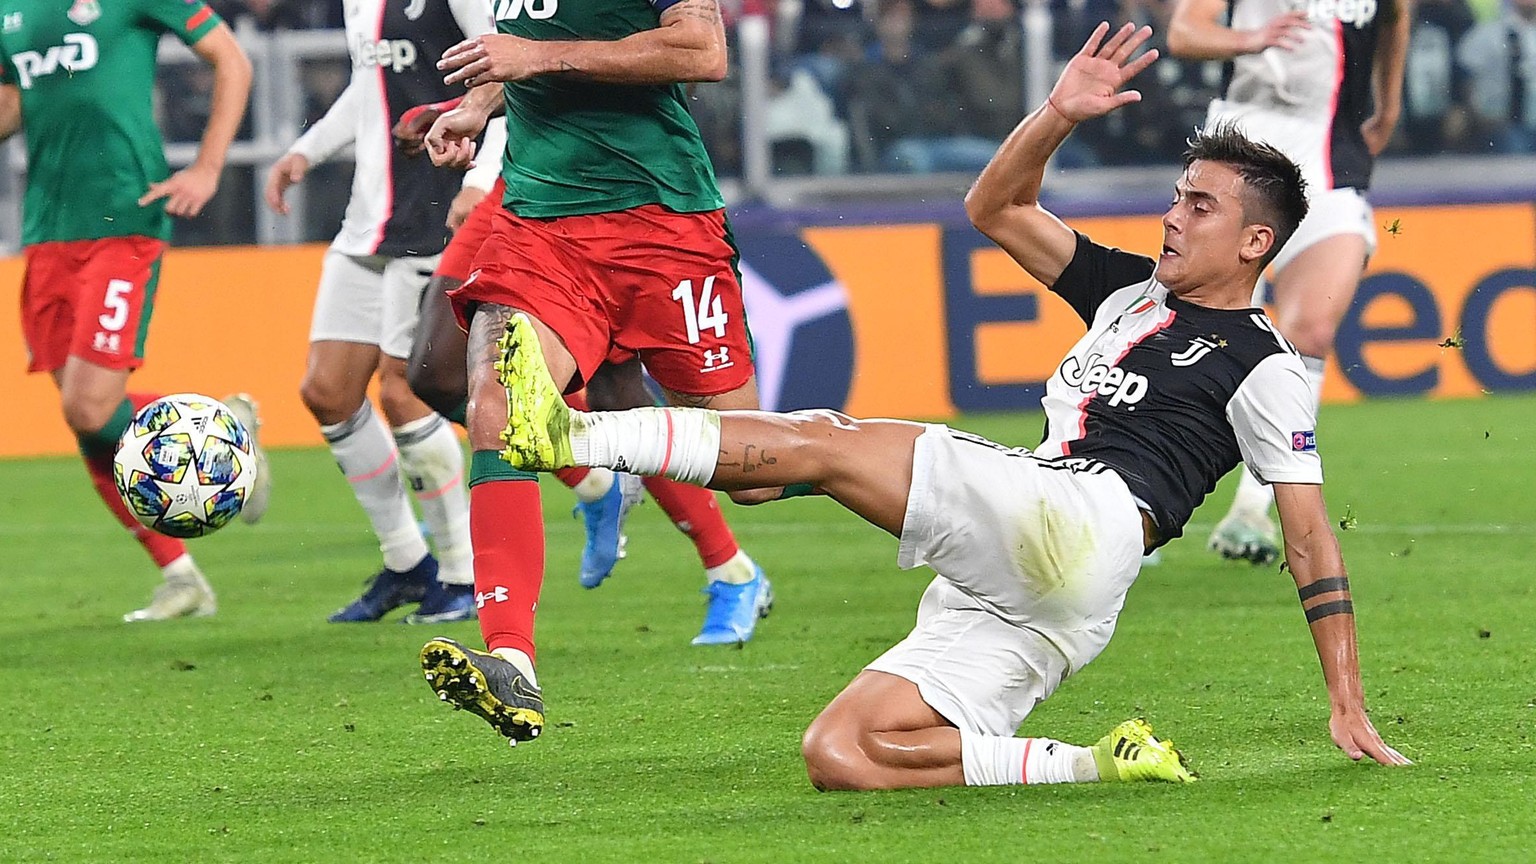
(916, 320)
(225, 320)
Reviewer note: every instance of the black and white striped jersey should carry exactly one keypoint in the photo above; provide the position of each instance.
(398, 204)
(1172, 395)
(1325, 78)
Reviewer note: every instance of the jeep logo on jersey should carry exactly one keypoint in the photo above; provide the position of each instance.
(392, 54)
(77, 54)
(1122, 387)
(538, 10)
(1357, 13)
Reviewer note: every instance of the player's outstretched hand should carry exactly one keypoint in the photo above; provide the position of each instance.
(1354, 734)
(285, 172)
(411, 131)
(1090, 84)
(451, 140)
(186, 192)
(458, 210)
(492, 57)
(1281, 31)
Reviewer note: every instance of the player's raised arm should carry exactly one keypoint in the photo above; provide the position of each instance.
(188, 190)
(688, 46)
(10, 110)
(1312, 551)
(1004, 203)
(1196, 32)
(1387, 74)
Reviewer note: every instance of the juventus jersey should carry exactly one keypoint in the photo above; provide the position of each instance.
(1325, 78)
(398, 204)
(1171, 395)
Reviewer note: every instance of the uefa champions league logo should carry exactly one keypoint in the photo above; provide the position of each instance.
(801, 335)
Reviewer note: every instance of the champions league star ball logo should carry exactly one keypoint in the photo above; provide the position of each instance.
(802, 338)
(83, 12)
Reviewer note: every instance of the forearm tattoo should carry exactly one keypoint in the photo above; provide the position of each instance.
(1328, 610)
(1330, 585)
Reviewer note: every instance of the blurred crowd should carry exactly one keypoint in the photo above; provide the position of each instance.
(920, 86)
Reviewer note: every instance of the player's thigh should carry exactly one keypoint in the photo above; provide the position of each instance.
(878, 702)
(617, 386)
(435, 369)
(402, 285)
(968, 666)
(487, 413)
(336, 378)
(90, 393)
(1315, 289)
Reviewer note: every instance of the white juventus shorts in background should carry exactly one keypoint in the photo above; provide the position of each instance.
(1034, 557)
(373, 300)
(1331, 212)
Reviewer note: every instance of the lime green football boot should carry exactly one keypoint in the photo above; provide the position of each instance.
(538, 420)
(1131, 752)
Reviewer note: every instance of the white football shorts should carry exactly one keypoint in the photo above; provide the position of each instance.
(1332, 212)
(1034, 557)
(374, 300)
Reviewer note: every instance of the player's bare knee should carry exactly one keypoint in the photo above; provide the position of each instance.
(87, 414)
(834, 759)
(1312, 336)
(328, 402)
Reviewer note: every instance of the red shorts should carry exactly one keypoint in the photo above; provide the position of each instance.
(644, 281)
(90, 299)
(466, 241)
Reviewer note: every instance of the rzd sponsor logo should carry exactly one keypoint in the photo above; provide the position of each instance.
(77, 54)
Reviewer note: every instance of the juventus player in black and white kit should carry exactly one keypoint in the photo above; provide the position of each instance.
(1322, 81)
(366, 307)
(1177, 380)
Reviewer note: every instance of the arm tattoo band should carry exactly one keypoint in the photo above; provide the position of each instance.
(1323, 586)
(1328, 610)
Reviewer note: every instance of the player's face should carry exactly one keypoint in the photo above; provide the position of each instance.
(1204, 232)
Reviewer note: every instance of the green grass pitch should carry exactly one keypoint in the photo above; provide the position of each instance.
(266, 735)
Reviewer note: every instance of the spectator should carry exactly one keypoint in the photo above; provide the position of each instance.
(1500, 59)
(1435, 85)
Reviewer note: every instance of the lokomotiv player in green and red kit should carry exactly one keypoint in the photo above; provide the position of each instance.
(613, 239)
(78, 79)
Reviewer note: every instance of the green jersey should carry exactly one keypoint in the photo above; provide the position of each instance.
(576, 147)
(86, 71)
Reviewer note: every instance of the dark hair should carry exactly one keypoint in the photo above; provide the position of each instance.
(1275, 194)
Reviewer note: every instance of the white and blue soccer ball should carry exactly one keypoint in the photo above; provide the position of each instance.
(185, 466)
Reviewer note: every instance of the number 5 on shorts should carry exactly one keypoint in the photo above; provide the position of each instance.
(116, 304)
(707, 314)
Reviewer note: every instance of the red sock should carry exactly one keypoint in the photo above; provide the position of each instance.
(506, 527)
(161, 548)
(696, 513)
(572, 476)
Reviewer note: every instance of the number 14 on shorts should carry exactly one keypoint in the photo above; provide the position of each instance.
(701, 313)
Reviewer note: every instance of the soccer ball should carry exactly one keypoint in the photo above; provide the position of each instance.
(185, 465)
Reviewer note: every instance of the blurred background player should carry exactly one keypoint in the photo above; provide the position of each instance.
(437, 374)
(79, 79)
(613, 238)
(365, 309)
(1324, 84)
